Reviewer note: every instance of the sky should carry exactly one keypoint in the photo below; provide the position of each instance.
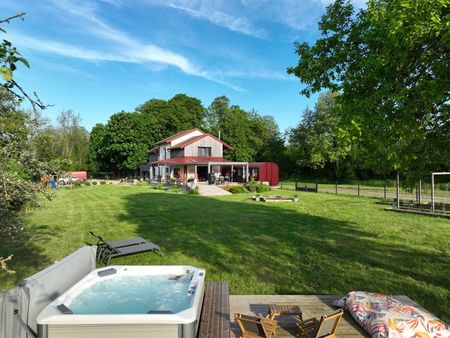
(100, 57)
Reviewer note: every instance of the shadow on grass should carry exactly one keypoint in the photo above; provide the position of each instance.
(26, 255)
(262, 248)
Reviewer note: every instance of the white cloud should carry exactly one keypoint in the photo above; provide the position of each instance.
(124, 48)
(217, 12)
(244, 16)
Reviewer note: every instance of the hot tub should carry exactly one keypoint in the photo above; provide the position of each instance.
(128, 301)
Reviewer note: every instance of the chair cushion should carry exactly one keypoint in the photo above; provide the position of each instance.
(385, 317)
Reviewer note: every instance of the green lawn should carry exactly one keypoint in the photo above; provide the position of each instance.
(325, 244)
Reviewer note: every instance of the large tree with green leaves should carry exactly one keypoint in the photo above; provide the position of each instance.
(19, 166)
(169, 117)
(125, 141)
(390, 63)
(254, 137)
(318, 140)
(66, 144)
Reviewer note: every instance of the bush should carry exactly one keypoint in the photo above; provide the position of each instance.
(94, 183)
(256, 186)
(77, 184)
(102, 182)
(263, 188)
(195, 191)
(238, 189)
(226, 187)
(87, 183)
(175, 188)
(251, 186)
(160, 187)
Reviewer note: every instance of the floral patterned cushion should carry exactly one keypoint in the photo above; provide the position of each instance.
(386, 317)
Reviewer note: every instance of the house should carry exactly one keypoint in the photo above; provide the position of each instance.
(192, 154)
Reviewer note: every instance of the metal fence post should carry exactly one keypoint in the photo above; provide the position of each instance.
(385, 191)
(336, 187)
(420, 191)
(432, 192)
(398, 190)
(295, 185)
(358, 189)
(317, 186)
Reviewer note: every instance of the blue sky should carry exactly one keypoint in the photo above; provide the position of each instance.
(101, 57)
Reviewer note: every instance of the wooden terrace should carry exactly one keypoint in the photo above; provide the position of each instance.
(217, 320)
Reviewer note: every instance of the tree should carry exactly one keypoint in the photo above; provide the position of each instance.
(97, 148)
(254, 137)
(126, 142)
(9, 59)
(166, 118)
(390, 62)
(20, 169)
(66, 145)
(318, 139)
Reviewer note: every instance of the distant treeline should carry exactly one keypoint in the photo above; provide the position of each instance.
(319, 146)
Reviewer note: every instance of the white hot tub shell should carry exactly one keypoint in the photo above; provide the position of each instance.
(57, 320)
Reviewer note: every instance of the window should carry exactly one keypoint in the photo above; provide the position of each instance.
(204, 151)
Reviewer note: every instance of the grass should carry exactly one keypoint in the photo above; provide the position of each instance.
(324, 244)
(366, 186)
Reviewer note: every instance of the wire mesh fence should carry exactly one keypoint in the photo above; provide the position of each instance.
(384, 190)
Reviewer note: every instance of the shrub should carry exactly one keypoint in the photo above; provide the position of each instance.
(87, 183)
(102, 182)
(256, 186)
(195, 191)
(238, 189)
(260, 188)
(175, 188)
(160, 187)
(77, 184)
(94, 183)
(252, 185)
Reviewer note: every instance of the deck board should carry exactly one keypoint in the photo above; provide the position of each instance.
(214, 321)
(311, 305)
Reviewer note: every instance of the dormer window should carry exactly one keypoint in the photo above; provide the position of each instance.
(204, 151)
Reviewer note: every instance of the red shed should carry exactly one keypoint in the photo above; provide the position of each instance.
(264, 172)
(81, 175)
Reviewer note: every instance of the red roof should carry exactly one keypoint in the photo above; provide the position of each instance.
(197, 138)
(174, 137)
(191, 160)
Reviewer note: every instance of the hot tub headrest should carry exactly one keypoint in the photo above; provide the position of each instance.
(64, 309)
(106, 272)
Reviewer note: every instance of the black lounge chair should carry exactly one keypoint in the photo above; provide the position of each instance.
(131, 246)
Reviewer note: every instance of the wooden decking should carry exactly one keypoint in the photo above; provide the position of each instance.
(312, 306)
(215, 317)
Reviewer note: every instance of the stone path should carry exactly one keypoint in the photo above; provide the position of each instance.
(211, 190)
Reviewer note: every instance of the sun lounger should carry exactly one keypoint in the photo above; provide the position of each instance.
(326, 326)
(109, 250)
(256, 327)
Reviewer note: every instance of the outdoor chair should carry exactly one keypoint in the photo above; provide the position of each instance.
(256, 327)
(131, 246)
(325, 327)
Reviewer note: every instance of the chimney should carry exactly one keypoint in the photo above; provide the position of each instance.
(219, 135)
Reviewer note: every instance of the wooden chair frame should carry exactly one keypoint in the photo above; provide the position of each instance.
(310, 328)
(268, 325)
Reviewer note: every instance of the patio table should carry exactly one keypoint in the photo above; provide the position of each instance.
(284, 310)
